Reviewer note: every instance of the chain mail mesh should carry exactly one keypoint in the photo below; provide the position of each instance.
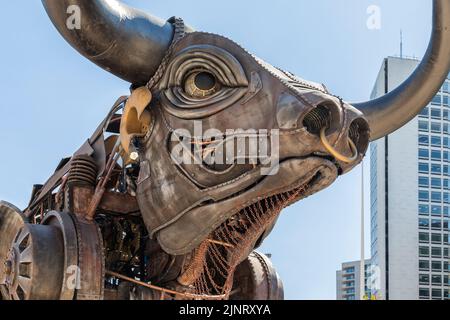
(212, 265)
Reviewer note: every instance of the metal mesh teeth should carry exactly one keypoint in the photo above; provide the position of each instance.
(212, 265)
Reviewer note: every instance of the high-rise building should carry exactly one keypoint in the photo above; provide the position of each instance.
(410, 197)
(348, 281)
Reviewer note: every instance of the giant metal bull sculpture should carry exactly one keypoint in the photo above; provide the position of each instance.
(186, 177)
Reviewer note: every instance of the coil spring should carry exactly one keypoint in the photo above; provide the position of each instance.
(83, 171)
(354, 132)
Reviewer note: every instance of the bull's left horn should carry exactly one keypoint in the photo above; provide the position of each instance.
(124, 41)
(393, 110)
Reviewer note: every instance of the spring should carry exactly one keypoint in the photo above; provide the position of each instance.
(317, 119)
(83, 171)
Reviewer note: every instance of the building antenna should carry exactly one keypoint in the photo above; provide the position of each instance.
(401, 43)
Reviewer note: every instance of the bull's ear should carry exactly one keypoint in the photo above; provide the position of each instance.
(122, 40)
(136, 120)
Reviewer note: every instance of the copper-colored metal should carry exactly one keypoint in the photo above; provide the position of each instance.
(164, 290)
(90, 260)
(101, 186)
(78, 199)
(221, 243)
(36, 261)
(195, 267)
(135, 120)
(65, 224)
(119, 203)
(11, 221)
(257, 279)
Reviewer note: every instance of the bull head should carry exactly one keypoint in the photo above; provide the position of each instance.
(214, 99)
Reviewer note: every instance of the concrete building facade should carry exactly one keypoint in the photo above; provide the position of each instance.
(410, 197)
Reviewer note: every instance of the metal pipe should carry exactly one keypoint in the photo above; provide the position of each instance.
(393, 110)
(122, 40)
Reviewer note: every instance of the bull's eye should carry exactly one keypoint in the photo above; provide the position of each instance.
(201, 84)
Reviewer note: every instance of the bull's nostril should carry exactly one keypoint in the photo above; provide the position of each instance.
(317, 119)
(359, 134)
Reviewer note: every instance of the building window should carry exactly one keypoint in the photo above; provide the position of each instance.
(436, 168)
(349, 291)
(436, 280)
(424, 195)
(424, 223)
(350, 284)
(445, 183)
(425, 112)
(424, 182)
(424, 293)
(436, 127)
(437, 100)
(445, 113)
(424, 167)
(424, 140)
(424, 209)
(445, 156)
(436, 196)
(436, 155)
(446, 253)
(424, 237)
(435, 113)
(424, 126)
(436, 266)
(445, 224)
(436, 183)
(436, 238)
(436, 210)
(349, 270)
(424, 251)
(424, 154)
(424, 265)
(436, 252)
(424, 279)
(436, 293)
(446, 197)
(436, 141)
(436, 224)
(445, 129)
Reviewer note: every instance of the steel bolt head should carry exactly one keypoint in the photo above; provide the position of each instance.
(8, 267)
(134, 156)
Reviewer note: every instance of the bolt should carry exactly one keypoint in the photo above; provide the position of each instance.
(8, 267)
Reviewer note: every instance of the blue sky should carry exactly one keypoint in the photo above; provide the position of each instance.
(52, 99)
